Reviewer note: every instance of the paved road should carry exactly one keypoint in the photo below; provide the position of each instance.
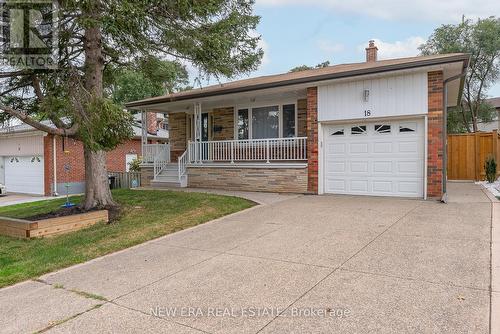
(322, 264)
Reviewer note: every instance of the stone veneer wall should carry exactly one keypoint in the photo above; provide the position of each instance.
(223, 118)
(177, 133)
(146, 176)
(282, 180)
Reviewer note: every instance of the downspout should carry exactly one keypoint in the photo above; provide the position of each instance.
(444, 198)
(54, 160)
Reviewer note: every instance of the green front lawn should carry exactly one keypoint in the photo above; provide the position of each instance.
(145, 215)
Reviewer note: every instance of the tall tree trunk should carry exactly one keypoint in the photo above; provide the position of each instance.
(97, 192)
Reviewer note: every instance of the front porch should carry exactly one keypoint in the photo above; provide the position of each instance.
(252, 147)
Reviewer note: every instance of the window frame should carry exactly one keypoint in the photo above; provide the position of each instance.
(250, 108)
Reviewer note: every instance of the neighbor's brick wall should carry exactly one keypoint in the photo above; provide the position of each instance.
(283, 180)
(312, 139)
(177, 135)
(115, 160)
(435, 135)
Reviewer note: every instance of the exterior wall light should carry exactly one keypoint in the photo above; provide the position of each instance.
(366, 95)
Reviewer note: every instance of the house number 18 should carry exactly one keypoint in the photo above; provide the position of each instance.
(368, 113)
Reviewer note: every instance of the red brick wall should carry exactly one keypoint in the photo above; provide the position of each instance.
(312, 139)
(115, 160)
(435, 135)
(152, 122)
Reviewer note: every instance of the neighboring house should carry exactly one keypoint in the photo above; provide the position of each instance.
(28, 158)
(370, 128)
(493, 125)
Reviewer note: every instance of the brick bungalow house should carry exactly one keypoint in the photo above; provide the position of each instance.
(28, 157)
(369, 128)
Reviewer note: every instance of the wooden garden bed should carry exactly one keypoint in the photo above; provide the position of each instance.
(21, 228)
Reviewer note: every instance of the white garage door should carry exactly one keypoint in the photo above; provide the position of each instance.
(24, 174)
(375, 158)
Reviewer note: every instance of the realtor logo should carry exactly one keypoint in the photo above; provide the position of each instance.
(29, 36)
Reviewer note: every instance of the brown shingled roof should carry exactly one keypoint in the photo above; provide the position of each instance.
(495, 102)
(321, 74)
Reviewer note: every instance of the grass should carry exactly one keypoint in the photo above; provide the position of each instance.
(145, 215)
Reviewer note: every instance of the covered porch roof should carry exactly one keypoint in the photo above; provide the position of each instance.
(294, 85)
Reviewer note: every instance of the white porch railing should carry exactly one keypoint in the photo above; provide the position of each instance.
(263, 150)
(150, 151)
(182, 164)
(161, 160)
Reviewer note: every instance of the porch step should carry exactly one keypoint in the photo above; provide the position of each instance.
(166, 181)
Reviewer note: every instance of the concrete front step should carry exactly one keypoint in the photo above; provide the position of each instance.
(163, 184)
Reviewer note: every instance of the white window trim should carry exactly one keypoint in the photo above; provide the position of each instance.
(251, 106)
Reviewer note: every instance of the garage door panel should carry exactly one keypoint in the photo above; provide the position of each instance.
(25, 174)
(382, 186)
(359, 185)
(408, 147)
(357, 148)
(410, 188)
(336, 185)
(382, 147)
(359, 167)
(382, 167)
(376, 163)
(336, 148)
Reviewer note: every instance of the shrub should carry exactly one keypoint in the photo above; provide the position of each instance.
(135, 165)
(491, 169)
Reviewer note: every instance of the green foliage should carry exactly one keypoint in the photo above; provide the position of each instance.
(490, 168)
(456, 122)
(135, 165)
(148, 78)
(105, 126)
(481, 39)
(305, 67)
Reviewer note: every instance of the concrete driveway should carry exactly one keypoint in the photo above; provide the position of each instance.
(310, 264)
(13, 198)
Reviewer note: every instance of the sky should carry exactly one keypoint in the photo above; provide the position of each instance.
(309, 32)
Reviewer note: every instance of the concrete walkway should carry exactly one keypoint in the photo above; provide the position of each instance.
(322, 264)
(11, 199)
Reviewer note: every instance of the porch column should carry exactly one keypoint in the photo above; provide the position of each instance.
(197, 131)
(144, 131)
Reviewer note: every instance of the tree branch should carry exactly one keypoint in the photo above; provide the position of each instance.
(38, 125)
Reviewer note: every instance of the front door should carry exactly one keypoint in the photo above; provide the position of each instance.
(204, 127)
(204, 135)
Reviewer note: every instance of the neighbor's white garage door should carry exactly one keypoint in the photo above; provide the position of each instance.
(379, 158)
(24, 174)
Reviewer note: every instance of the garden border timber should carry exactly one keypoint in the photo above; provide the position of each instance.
(21, 228)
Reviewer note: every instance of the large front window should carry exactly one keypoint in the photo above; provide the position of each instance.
(266, 122)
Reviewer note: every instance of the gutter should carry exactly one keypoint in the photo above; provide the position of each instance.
(54, 159)
(303, 80)
(461, 76)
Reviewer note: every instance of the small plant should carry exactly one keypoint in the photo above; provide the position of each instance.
(490, 168)
(135, 165)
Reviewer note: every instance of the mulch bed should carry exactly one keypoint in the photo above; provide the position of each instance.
(114, 213)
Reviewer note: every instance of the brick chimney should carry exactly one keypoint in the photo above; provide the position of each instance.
(152, 123)
(371, 52)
